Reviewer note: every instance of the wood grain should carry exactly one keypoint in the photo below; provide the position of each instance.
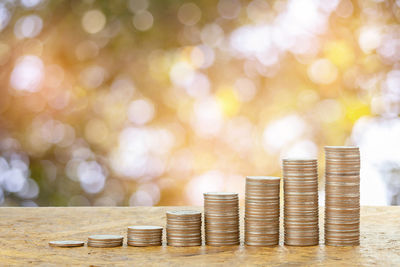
(25, 233)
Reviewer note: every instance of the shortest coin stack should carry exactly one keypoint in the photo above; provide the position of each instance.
(184, 228)
(105, 241)
(144, 236)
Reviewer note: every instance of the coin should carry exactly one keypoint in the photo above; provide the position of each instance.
(221, 219)
(104, 245)
(342, 196)
(262, 211)
(144, 235)
(300, 184)
(105, 241)
(106, 237)
(66, 243)
(145, 228)
(183, 228)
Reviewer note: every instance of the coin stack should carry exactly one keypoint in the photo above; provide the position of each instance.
(262, 211)
(300, 177)
(105, 241)
(342, 196)
(144, 236)
(184, 228)
(221, 219)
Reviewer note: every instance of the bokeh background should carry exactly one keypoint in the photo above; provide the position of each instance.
(146, 102)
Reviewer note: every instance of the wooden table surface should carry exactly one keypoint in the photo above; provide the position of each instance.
(25, 233)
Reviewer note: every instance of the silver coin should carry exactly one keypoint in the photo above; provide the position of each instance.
(66, 243)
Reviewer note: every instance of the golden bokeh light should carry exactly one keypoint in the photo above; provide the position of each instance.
(143, 102)
(93, 21)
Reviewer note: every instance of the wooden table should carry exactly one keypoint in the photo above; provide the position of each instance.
(25, 233)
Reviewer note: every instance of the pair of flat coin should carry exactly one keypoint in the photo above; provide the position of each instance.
(66, 243)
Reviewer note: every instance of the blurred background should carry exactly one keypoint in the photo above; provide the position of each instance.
(145, 102)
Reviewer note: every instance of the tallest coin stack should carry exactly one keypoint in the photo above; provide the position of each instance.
(342, 200)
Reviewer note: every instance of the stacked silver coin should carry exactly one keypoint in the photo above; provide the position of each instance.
(262, 211)
(300, 177)
(144, 236)
(221, 219)
(184, 228)
(342, 196)
(105, 241)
